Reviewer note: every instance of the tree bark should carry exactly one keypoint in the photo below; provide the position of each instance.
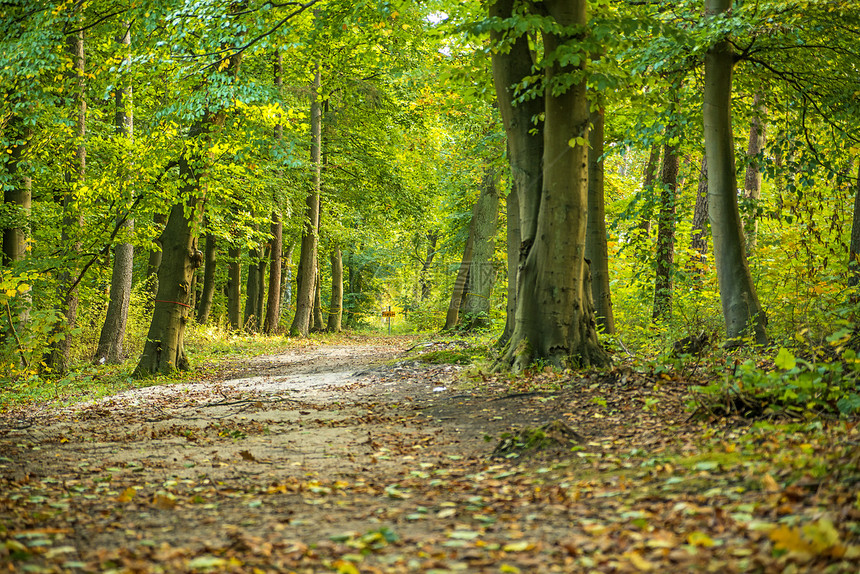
(524, 137)
(306, 288)
(482, 275)
(318, 323)
(154, 260)
(648, 178)
(210, 263)
(742, 311)
(56, 360)
(512, 209)
(110, 347)
(423, 276)
(663, 279)
(555, 313)
(699, 234)
(251, 322)
(273, 301)
(234, 287)
(854, 248)
(452, 317)
(752, 179)
(18, 196)
(596, 248)
(335, 311)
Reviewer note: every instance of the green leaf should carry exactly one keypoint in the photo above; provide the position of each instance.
(784, 359)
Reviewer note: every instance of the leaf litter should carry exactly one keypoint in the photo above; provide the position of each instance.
(327, 459)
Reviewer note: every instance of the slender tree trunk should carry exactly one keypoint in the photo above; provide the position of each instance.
(699, 234)
(452, 318)
(318, 324)
(513, 256)
(287, 278)
(648, 178)
(261, 286)
(57, 357)
(666, 234)
(154, 260)
(273, 302)
(424, 275)
(741, 308)
(110, 348)
(555, 312)
(335, 312)
(234, 287)
(752, 181)
(252, 291)
(482, 274)
(854, 250)
(596, 248)
(210, 262)
(308, 258)
(19, 197)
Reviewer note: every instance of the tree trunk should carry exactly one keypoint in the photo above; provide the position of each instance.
(57, 357)
(164, 350)
(524, 138)
(273, 302)
(752, 181)
(318, 324)
(482, 275)
(555, 313)
(699, 234)
(666, 234)
(210, 262)
(742, 311)
(452, 318)
(854, 250)
(154, 260)
(287, 278)
(19, 197)
(308, 258)
(513, 256)
(335, 311)
(252, 291)
(596, 248)
(648, 178)
(110, 348)
(234, 287)
(423, 276)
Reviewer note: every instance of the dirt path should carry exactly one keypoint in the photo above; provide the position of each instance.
(328, 460)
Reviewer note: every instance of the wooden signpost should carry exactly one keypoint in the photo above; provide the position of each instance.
(389, 314)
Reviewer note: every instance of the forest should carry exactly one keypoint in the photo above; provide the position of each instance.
(539, 192)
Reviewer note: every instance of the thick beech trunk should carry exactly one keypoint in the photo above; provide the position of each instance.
(306, 288)
(596, 248)
(699, 234)
(234, 287)
(273, 301)
(57, 358)
(475, 306)
(752, 179)
(207, 294)
(742, 311)
(513, 257)
(666, 234)
(555, 314)
(110, 348)
(335, 308)
(524, 137)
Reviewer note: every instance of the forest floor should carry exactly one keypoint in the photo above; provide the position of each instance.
(360, 458)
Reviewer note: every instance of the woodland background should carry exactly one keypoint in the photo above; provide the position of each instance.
(240, 114)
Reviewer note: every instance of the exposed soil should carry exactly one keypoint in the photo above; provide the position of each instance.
(336, 459)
